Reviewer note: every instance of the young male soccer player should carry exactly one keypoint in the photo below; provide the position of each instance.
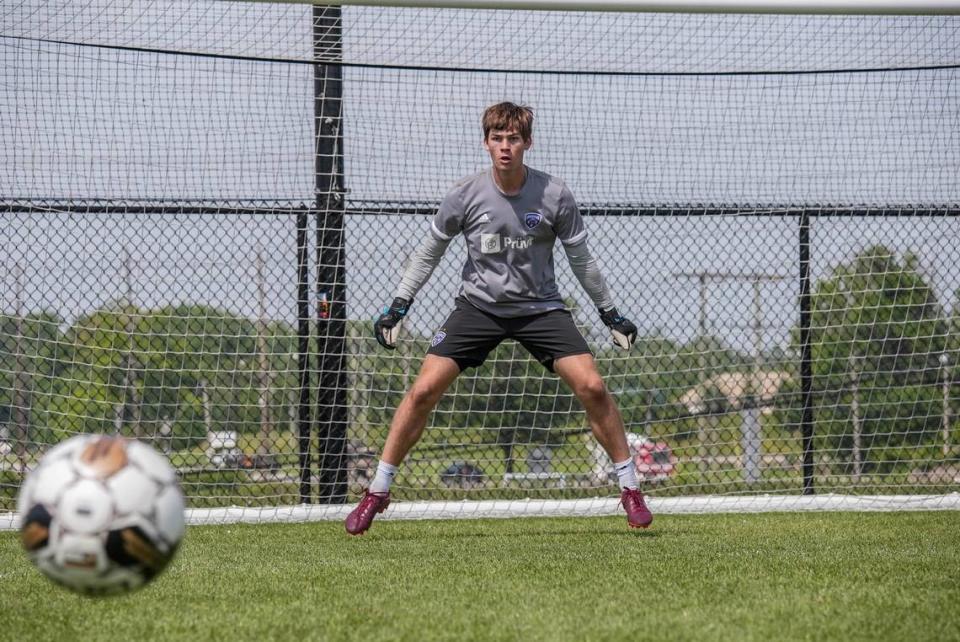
(511, 216)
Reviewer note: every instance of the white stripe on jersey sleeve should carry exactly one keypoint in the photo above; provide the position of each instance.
(436, 231)
(577, 238)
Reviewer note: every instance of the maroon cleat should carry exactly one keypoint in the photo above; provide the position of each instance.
(638, 515)
(362, 516)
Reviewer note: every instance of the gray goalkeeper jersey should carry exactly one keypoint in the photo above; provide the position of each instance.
(509, 267)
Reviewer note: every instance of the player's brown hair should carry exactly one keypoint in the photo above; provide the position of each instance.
(507, 116)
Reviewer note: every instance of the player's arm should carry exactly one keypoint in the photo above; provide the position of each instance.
(585, 268)
(421, 265)
(573, 235)
(423, 262)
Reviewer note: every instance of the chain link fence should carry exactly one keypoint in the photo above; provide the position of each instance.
(182, 329)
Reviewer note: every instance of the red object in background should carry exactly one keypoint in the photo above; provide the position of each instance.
(324, 306)
(653, 459)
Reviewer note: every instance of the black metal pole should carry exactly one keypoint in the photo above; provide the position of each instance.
(806, 355)
(331, 274)
(303, 358)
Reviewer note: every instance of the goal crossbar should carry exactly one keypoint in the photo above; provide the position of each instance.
(806, 7)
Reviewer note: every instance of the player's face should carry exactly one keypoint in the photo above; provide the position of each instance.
(506, 148)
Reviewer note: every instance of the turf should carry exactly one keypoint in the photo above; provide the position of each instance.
(825, 576)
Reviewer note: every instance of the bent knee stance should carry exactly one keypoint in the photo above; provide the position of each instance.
(591, 391)
(424, 397)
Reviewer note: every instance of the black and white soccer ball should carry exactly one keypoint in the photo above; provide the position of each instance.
(101, 515)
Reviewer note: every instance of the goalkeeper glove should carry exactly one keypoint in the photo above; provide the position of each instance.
(623, 331)
(387, 327)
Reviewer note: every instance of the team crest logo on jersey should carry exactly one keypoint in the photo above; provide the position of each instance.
(532, 219)
(438, 338)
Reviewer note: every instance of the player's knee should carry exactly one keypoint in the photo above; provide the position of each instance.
(424, 396)
(591, 391)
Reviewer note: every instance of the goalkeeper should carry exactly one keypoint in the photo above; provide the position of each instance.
(510, 216)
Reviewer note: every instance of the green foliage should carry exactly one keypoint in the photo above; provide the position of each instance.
(120, 364)
(194, 367)
(31, 356)
(877, 336)
(880, 315)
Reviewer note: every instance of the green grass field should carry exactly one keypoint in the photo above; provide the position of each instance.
(826, 576)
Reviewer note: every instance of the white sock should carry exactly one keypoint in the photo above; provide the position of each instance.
(626, 474)
(384, 477)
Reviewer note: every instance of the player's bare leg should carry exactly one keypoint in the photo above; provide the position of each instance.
(409, 420)
(580, 372)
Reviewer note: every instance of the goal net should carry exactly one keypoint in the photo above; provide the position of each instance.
(204, 204)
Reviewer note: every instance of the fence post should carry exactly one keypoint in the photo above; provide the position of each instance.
(806, 354)
(331, 273)
(303, 357)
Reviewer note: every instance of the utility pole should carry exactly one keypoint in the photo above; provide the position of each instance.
(703, 420)
(264, 445)
(855, 368)
(945, 368)
(207, 411)
(20, 419)
(130, 409)
(750, 425)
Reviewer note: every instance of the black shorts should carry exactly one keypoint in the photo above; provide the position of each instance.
(469, 334)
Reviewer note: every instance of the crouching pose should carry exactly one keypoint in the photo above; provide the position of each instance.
(511, 216)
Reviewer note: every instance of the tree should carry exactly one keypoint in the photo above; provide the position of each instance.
(141, 369)
(877, 333)
(33, 353)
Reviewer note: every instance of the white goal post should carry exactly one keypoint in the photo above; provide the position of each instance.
(488, 509)
(491, 509)
(777, 7)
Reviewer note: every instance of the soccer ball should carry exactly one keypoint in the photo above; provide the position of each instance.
(101, 515)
